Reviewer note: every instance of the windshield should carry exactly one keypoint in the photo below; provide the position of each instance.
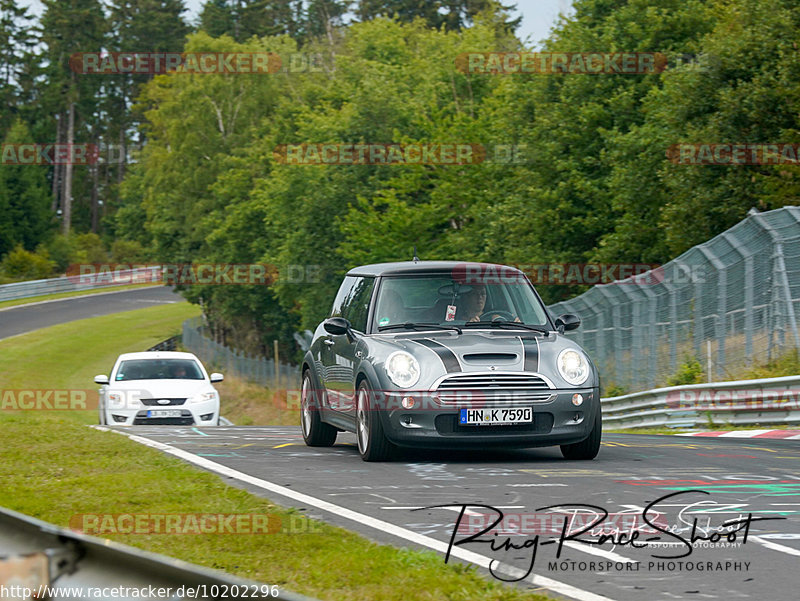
(448, 301)
(159, 369)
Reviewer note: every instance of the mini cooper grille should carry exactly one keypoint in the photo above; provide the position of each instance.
(491, 380)
(499, 389)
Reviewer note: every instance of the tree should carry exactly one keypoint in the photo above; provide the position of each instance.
(17, 40)
(69, 27)
(25, 217)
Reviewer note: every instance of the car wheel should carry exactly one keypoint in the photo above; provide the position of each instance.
(590, 446)
(316, 433)
(372, 442)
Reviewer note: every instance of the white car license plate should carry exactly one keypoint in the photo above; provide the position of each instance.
(164, 413)
(495, 416)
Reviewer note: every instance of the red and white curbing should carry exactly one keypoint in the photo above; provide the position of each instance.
(776, 434)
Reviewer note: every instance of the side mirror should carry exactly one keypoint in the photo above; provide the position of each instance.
(567, 322)
(216, 377)
(338, 326)
(101, 379)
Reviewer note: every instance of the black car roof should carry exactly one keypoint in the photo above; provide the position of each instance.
(411, 267)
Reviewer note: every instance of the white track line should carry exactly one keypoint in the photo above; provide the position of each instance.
(366, 520)
(775, 546)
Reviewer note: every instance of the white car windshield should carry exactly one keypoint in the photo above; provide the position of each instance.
(158, 369)
(446, 301)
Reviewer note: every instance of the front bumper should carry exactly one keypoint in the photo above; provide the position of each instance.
(193, 414)
(556, 421)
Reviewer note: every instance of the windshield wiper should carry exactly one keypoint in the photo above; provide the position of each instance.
(507, 324)
(418, 326)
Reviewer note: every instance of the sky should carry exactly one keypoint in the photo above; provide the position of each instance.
(538, 16)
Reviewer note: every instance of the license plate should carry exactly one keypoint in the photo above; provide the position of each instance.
(495, 416)
(164, 413)
(30, 571)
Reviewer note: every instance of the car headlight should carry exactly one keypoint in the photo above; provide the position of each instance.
(202, 398)
(115, 400)
(402, 369)
(573, 366)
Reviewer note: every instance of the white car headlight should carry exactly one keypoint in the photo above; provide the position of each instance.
(402, 369)
(573, 366)
(202, 398)
(115, 400)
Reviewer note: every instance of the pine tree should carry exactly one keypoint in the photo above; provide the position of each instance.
(25, 216)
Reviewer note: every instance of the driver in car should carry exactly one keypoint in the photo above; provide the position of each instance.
(474, 304)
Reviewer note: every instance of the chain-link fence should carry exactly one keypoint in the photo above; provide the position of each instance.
(253, 369)
(728, 304)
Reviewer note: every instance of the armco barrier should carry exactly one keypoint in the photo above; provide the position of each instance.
(34, 553)
(68, 284)
(767, 401)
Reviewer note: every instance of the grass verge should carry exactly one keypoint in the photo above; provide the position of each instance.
(36, 299)
(53, 467)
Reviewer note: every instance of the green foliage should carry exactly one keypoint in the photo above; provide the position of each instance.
(128, 251)
(787, 364)
(21, 264)
(689, 372)
(596, 186)
(614, 390)
(25, 217)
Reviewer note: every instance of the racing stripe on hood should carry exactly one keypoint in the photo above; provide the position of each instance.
(447, 356)
(531, 349)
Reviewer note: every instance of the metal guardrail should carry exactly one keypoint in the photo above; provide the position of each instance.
(254, 369)
(764, 401)
(170, 344)
(76, 283)
(34, 553)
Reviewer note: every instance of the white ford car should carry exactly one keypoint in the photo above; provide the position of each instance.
(159, 388)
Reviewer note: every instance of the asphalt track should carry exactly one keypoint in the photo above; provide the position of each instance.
(740, 477)
(41, 314)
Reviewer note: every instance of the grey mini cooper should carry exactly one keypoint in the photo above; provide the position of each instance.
(449, 355)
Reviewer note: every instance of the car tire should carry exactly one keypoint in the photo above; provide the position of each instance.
(589, 447)
(372, 442)
(316, 433)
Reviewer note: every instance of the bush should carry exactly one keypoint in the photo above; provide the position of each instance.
(613, 390)
(61, 250)
(90, 249)
(128, 251)
(690, 372)
(787, 364)
(21, 264)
